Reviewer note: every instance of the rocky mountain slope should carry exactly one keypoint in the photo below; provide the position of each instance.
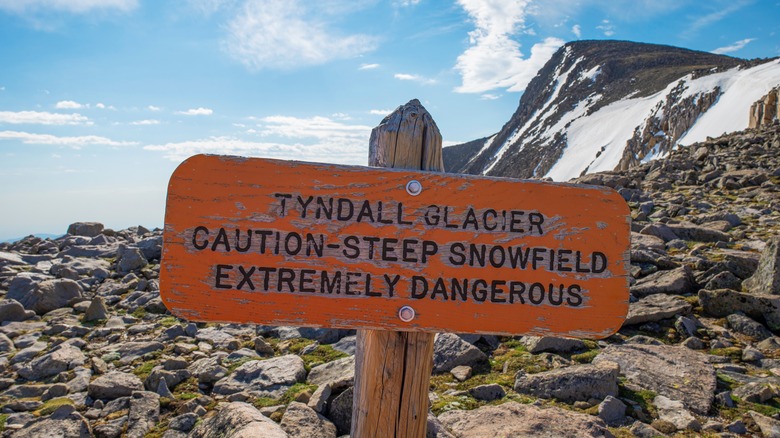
(88, 349)
(605, 105)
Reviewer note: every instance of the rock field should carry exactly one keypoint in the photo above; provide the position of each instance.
(87, 347)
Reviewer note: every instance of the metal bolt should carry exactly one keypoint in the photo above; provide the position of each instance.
(413, 187)
(406, 313)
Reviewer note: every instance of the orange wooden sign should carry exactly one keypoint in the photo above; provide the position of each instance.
(303, 244)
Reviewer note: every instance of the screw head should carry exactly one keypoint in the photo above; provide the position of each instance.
(413, 187)
(406, 313)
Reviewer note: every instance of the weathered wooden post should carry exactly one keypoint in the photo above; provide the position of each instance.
(392, 368)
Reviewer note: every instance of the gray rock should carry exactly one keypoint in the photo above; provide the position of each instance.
(346, 345)
(612, 411)
(97, 310)
(62, 358)
(49, 295)
(766, 279)
(554, 344)
(216, 337)
(163, 390)
(113, 385)
(676, 282)
(144, 413)
(340, 411)
(12, 310)
(319, 400)
(130, 351)
(642, 430)
(208, 370)
(88, 229)
(656, 308)
(518, 420)
(724, 302)
(675, 372)
(461, 373)
(756, 392)
(237, 420)
(184, 422)
(64, 422)
(574, 383)
(659, 230)
(262, 346)
(264, 378)
(129, 259)
(434, 428)
(724, 280)
(770, 427)
(302, 421)
(26, 354)
(6, 344)
(674, 412)
(697, 233)
(745, 325)
(339, 374)
(449, 351)
(488, 392)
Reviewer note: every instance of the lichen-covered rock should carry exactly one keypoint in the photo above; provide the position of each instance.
(264, 378)
(570, 384)
(302, 421)
(113, 385)
(449, 351)
(766, 280)
(237, 420)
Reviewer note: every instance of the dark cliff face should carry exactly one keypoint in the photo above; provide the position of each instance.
(591, 74)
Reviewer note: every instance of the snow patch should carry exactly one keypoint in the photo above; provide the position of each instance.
(591, 74)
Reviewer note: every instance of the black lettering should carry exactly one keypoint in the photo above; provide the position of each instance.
(371, 241)
(311, 242)
(429, 248)
(305, 279)
(536, 287)
(387, 250)
(475, 253)
(462, 290)
(322, 209)
(439, 288)
(537, 257)
(350, 282)
(263, 234)
(246, 277)
(330, 284)
(248, 241)
(220, 275)
(495, 290)
(432, 219)
(577, 265)
(479, 290)
(554, 301)
(304, 205)
(485, 223)
(563, 257)
(471, 219)
(456, 251)
(401, 220)
(391, 283)
(574, 299)
(598, 262)
(351, 242)
(495, 252)
(205, 243)
(536, 219)
(266, 276)
(516, 218)
(517, 289)
(408, 250)
(296, 247)
(368, 288)
(447, 223)
(283, 197)
(343, 204)
(286, 276)
(519, 258)
(424, 287)
(365, 211)
(222, 239)
(379, 212)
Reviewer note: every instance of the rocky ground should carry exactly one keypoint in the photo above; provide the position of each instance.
(87, 348)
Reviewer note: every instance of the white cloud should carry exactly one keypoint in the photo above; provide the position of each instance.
(42, 118)
(153, 108)
(100, 105)
(200, 111)
(71, 6)
(490, 96)
(414, 78)
(48, 139)
(407, 3)
(317, 127)
(738, 45)
(269, 34)
(68, 104)
(146, 122)
(493, 59)
(714, 17)
(606, 27)
(576, 30)
(368, 66)
(380, 112)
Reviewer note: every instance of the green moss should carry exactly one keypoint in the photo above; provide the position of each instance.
(644, 398)
(3, 420)
(586, 357)
(451, 402)
(288, 396)
(322, 354)
(139, 313)
(169, 321)
(50, 406)
(734, 353)
(143, 370)
(231, 365)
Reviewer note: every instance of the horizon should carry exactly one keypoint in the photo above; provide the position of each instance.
(100, 100)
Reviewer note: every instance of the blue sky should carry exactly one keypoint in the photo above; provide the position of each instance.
(101, 99)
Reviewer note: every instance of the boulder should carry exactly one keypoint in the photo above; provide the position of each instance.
(554, 344)
(114, 385)
(570, 384)
(674, 412)
(62, 358)
(724, 302)
(449, 351)
(237, 420)
(302, 421)
(746, 326)
(676, 282)
(674, 372)
(144, 414)
(769, 426)
(264, 378)
(697, 233)
(64, 422)
(12, 310)
(88, 229)
(766, 279)
(339, 374)
(47, 295)
(655, 308)
(518, 420)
